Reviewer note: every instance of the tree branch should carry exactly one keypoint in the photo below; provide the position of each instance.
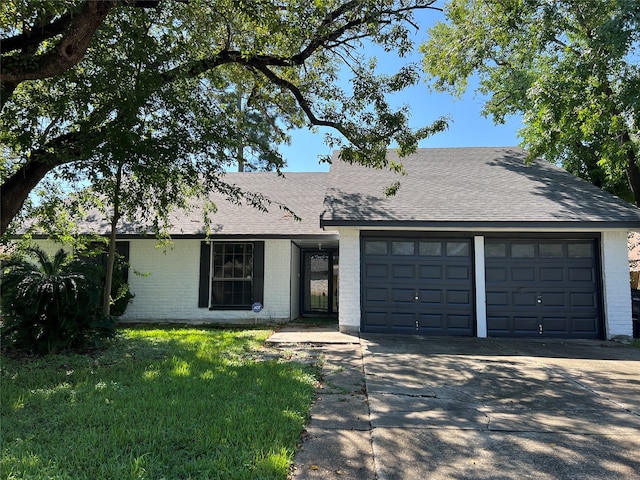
(65, 54)
(295, 91)
(77, 29)
(35, 36)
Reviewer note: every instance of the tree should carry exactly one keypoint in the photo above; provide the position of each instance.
(148, 78)
(571, 69)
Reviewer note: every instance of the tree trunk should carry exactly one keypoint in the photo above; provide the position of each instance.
(111, 255)
(633, 177)
(633, 174)
(15, 190)
(241, 158)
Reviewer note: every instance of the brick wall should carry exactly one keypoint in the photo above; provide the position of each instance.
(616, 287)
(170, 290)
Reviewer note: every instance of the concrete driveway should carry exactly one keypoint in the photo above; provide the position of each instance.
(487, 408)
(404, 407)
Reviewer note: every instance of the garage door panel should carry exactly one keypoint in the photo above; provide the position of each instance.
(499, 325)
(459, 272)
(523, 274)
(584, 324)
(555, 325)
(459, 322)
(403, 271)
(376, 271)
(403, 295)
(549, 274)
(376, 319)
(403, 320)
(458, 297)
(429, 272)
(496, 274)
(432, 297)
(431, 321)
(524, 299)
(376, 295)
(553, 299)
(525, 325)
(498, 299)
(429, 287)
(550, 288)
(584, 274)
(587, 299)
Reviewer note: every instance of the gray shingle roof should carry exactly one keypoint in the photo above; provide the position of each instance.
(474, 187)
(303, 193)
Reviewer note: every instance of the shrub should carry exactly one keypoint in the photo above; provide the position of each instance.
(53, 304)
(121, 296)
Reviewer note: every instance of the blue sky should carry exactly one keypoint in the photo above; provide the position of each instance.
(468, 128)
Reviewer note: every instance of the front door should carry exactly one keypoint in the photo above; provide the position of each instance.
(319, 282)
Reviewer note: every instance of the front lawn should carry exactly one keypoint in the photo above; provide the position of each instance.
(172, 404)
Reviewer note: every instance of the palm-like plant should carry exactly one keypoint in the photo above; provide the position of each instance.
(50, 304)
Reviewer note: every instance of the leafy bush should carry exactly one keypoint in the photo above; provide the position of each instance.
(121, 296)
(95, 253)
(52, 304)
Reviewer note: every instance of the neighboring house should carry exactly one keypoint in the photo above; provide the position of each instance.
(633, 244)
(474, 243)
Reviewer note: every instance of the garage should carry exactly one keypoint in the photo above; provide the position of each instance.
(417, 285)
(479, 242)
(543, 288)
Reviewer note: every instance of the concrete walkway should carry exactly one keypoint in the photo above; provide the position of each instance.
(404, 407)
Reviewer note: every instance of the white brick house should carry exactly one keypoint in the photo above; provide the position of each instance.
(474, 243)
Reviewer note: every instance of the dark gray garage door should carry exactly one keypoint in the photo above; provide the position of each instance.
(417, 285)
(542, 288)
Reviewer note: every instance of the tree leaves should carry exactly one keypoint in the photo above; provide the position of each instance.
(152, 91)
(571, 68)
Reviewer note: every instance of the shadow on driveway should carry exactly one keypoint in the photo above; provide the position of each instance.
(471, 408)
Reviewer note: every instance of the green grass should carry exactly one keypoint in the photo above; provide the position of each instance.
(172, 404)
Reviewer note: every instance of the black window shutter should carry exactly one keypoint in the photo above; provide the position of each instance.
(122, 249)
(258, 272)
(205, 265)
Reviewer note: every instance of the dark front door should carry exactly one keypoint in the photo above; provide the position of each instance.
(319, 282)
(417, 285)
(543, 287)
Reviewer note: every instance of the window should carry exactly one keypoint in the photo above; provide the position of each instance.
(231, 274)
(551, 250)
(375, 247)
(430, 249)
(457, 249)
(523, 250)
(580, 250)
(495, 250)
(402, 248)
(97, 255)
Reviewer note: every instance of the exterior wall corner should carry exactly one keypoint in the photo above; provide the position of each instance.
(349, 280)
(615, 284)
